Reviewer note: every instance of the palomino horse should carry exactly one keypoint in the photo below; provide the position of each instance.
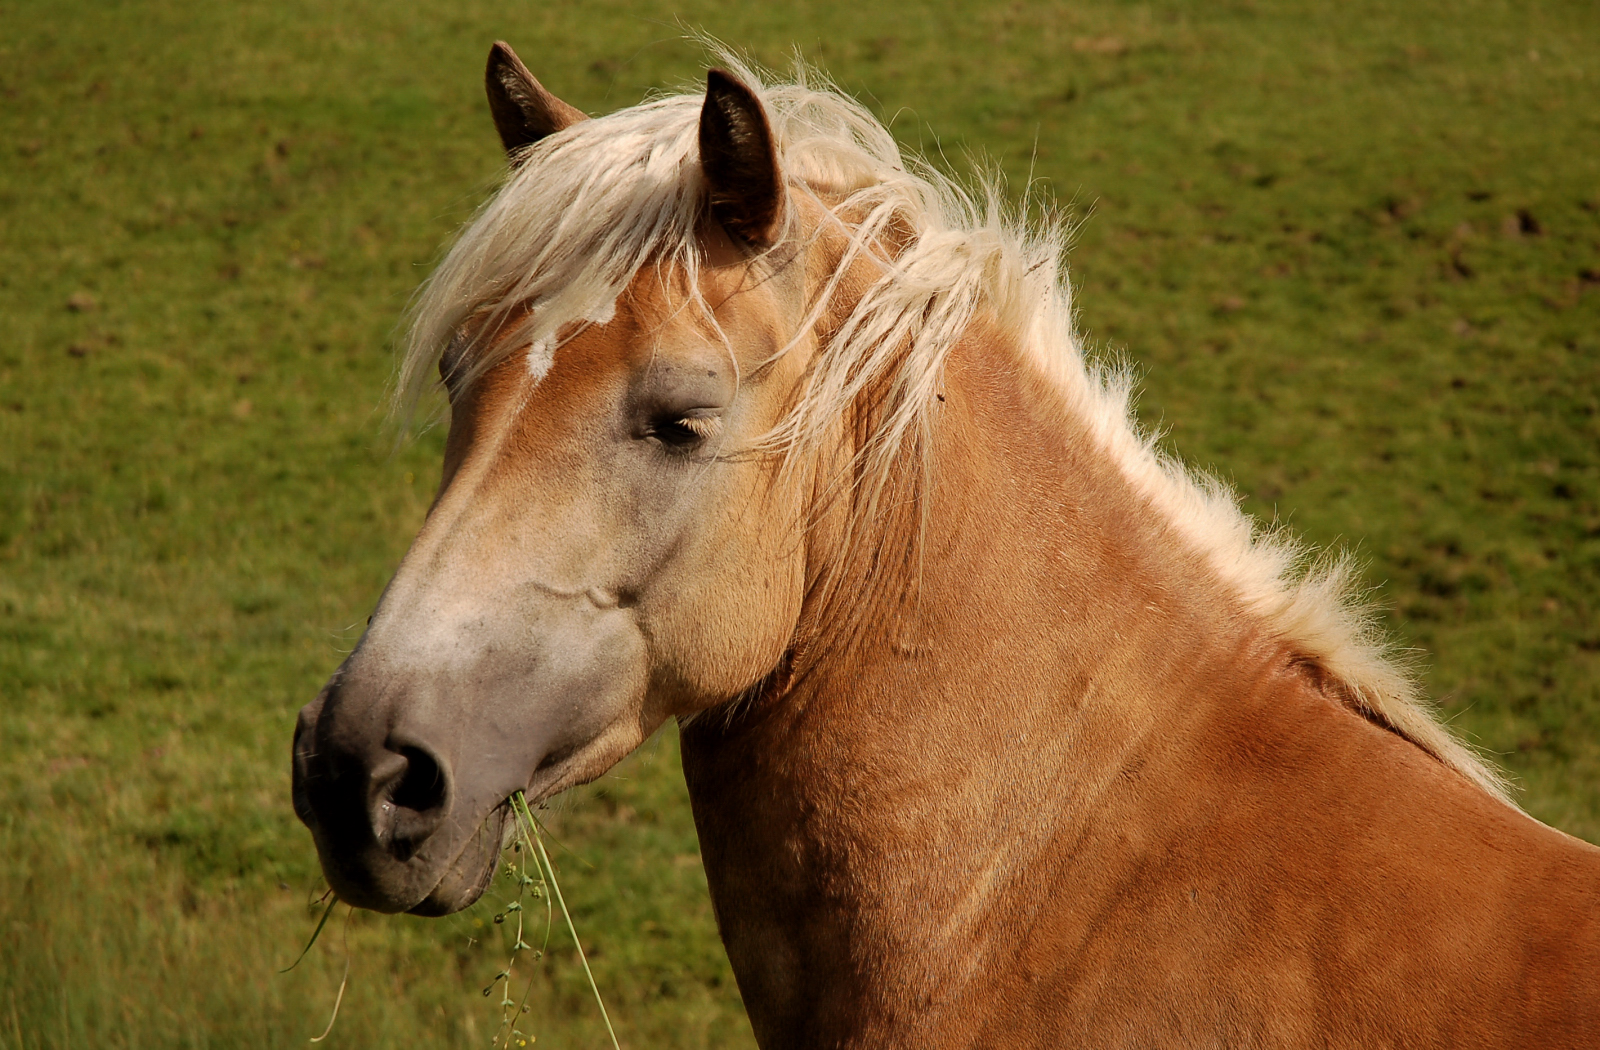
(1000, 728)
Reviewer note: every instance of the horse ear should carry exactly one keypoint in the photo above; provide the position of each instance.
(524, 112)
(740, 160)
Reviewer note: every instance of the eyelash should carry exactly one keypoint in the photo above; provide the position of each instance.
(681, 432)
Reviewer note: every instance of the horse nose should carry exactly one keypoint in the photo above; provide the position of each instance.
(411, 796)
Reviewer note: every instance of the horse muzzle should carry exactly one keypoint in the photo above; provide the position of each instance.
(403, 766)
(396, 827)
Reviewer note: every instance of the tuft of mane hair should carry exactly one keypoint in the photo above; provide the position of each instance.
(588, 207)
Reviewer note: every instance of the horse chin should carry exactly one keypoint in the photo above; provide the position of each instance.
(467, 876)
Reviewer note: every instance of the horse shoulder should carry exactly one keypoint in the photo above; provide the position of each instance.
(1284, 869)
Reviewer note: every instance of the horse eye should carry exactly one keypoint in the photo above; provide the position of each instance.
(682, 432)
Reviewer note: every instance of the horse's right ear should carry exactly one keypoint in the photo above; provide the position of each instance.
(524, 112)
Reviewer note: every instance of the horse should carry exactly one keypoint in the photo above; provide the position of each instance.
(1000, 726)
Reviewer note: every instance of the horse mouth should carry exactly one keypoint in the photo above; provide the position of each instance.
(469, 875)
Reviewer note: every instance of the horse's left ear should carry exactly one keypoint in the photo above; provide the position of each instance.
(524, 112)
(740, 160)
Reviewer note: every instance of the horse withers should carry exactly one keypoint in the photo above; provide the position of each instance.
(1000, 727)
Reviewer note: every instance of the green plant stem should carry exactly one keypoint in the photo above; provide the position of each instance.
(519, 805)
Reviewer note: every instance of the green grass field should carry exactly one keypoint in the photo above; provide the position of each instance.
(1354, 248)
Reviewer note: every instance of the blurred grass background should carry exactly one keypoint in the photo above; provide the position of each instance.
(1355, 249)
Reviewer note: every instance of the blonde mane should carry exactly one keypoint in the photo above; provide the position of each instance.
(588, 207)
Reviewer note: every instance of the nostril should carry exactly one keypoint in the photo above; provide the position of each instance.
(421, 787)
(413, 803)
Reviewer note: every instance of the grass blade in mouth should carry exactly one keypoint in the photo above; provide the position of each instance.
(314, 934)
(338, 1000)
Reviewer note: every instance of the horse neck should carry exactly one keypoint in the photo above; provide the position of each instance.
(870, 813)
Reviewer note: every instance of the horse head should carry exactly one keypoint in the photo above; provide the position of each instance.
(609, 546)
